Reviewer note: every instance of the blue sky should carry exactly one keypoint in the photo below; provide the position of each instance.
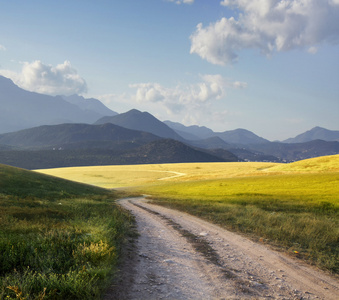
(268, 66)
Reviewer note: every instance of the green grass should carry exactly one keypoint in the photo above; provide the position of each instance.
(58, 239)
(294, 212)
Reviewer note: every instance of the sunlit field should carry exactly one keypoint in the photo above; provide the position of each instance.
(137, 175)
(292, 206)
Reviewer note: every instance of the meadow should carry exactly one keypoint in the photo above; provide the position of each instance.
(58, 239)
(293, 207)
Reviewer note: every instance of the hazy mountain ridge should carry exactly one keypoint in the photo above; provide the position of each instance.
(195, 131)
(144, 121)
(236, 136)
(90, 104)
(316, 133)
(21, 109)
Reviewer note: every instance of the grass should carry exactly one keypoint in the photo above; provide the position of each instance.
(58, 239)
(292, 206)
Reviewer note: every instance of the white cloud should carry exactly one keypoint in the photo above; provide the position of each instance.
(182, 1)
(269, 26)
(211, 87)
(46, 79)
(191, 101)
(2, 48)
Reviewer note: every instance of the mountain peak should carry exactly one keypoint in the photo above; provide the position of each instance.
(316, 133)
(144, 121)
(241, 136)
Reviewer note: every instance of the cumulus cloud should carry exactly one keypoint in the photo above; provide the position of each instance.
(268, 26)
(186, 97)
(2, 48)
(190, 104)
(46, 79)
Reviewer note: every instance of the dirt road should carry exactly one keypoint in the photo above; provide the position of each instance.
(183, 257)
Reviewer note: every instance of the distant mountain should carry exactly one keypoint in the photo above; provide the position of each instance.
(316, 133)
(237, 136)
(22, 109)
(90, 104)
(144, 121)
(70, 135)
(193, 132)
(241, 137)
(209, 143)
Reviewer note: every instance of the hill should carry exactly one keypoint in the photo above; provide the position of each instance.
(19, 182)
(316, 133)
(170, 151)
(144, 121)
(156, 152)
(320, 164)
(74, 136)
(22, 109)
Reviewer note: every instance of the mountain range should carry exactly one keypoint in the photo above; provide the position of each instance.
(35, 125)
(64, 145)
(21, 109)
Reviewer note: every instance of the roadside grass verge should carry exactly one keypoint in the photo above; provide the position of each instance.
(58, 239)
(298, 213)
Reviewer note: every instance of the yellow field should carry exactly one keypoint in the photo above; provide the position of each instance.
(136, 175)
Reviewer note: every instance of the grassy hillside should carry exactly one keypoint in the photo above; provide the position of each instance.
(314, 165)
(58, 239)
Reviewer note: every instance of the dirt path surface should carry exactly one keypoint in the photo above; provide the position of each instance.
(183, 257)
